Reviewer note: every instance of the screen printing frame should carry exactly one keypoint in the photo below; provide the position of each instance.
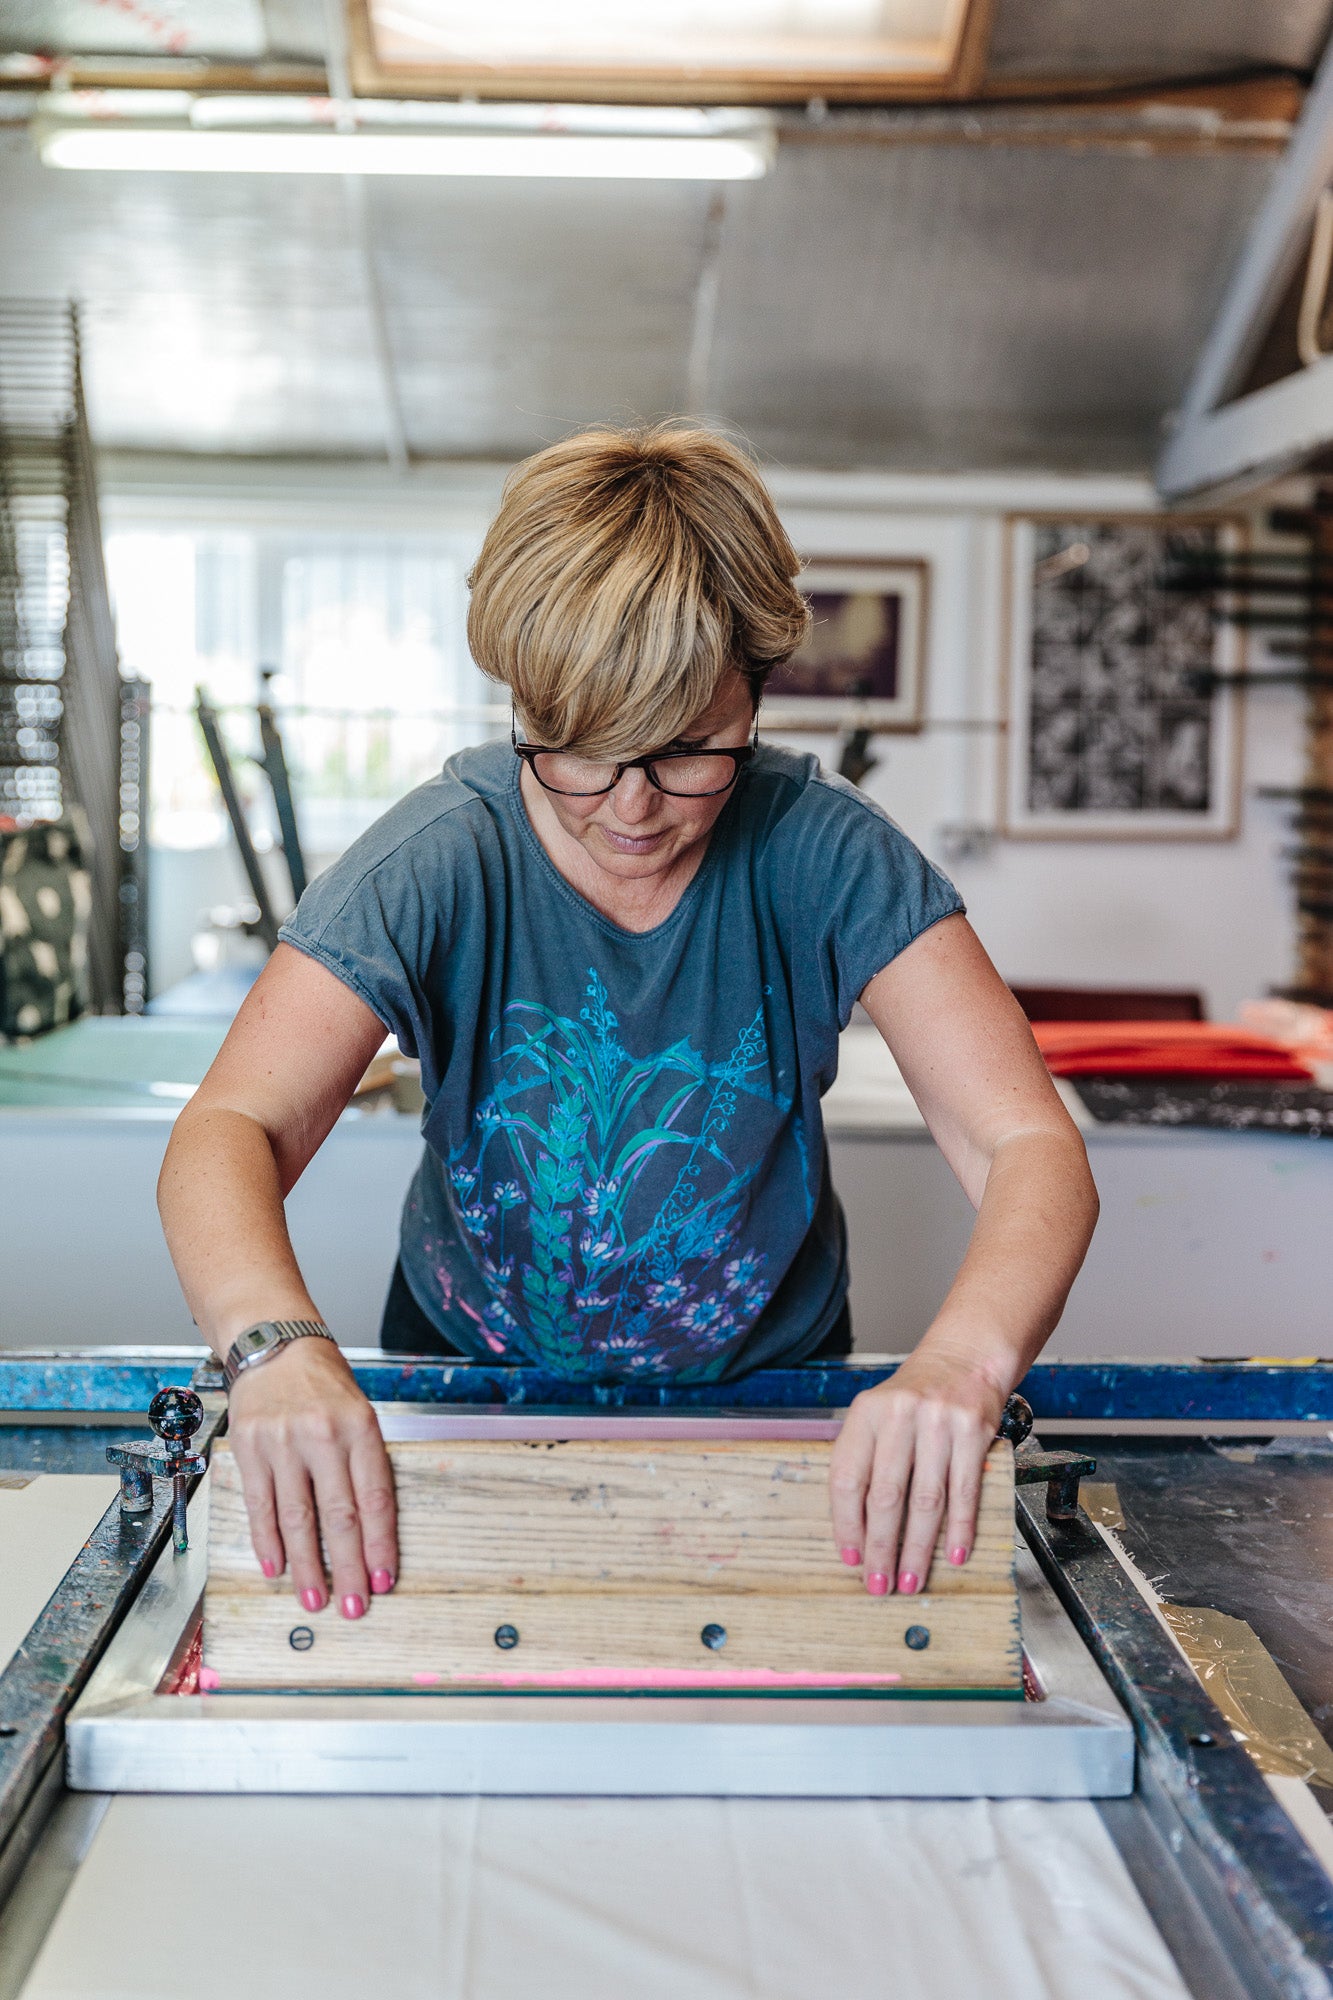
(1069, 1739)
(1241, 1898)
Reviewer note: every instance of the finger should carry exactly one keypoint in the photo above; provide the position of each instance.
(261, 1509)
(299, 1526)
(965, 1471)
(340, 1527)
(886, 1499)
(376, 1504)
(849, 1475)
(925, 1506)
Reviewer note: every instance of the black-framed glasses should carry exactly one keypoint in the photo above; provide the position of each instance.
(681, 774)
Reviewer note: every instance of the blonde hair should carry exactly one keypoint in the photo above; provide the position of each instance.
(626, 573)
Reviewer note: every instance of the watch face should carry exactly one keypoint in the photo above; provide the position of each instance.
(258, 1340)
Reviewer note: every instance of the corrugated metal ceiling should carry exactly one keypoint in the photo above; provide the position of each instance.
(1154, 38)
(918, 305)
(936, 305)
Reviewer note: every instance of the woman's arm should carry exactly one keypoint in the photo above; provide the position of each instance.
(911, 1452)
(306, 1440)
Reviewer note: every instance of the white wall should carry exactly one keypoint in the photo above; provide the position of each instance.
(1206, 913)
(1214, 914)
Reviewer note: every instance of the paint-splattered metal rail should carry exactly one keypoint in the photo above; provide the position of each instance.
(51, 1666)
(1091, 1392)
(1269, 1902)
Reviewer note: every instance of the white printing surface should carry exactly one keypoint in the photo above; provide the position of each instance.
(43, 1525)
(558, 1899)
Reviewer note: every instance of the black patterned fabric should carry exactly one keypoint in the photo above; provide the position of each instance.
(45, 899)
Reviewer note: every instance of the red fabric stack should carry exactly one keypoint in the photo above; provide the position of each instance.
(1164, 1048)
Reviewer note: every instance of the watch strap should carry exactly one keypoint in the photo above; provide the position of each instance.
(259, 1342)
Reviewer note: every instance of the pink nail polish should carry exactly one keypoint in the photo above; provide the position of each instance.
(877, 1583)
(353, 1606)
(851, 1557)
(312, 1600)
(381, 1580)
(958, 1557)
(269, 1567)
(908, 1581)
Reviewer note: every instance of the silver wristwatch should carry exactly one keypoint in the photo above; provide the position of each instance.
(257, 1343)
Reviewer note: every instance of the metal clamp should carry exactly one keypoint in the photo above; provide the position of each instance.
(175, 1415)
(1059, 1471)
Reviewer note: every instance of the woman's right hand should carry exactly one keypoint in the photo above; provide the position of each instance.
(312, 1464)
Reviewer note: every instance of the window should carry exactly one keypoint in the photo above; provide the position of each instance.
(357, 640)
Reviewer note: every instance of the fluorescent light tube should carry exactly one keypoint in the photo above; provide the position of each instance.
(180, 149)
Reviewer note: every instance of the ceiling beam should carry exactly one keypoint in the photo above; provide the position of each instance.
(1226, 452)
(1147, 129)
(32, 73)
(1215, 443)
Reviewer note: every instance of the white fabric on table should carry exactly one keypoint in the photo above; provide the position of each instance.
(642, 1899)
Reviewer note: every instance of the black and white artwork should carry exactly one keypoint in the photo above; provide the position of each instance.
(1113, 730)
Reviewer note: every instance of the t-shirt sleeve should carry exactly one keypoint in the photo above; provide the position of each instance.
(877, 892)
(378, 920)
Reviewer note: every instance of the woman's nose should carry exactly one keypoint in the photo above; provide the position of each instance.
(632, 797)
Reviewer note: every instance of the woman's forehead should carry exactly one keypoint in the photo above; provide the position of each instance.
(721, 710)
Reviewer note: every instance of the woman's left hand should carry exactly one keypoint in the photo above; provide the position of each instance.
(908, 1457)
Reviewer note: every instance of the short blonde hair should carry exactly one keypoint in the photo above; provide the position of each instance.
(626, 573)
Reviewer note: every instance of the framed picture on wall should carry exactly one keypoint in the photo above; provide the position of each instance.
(1113, 731)
(862, 664)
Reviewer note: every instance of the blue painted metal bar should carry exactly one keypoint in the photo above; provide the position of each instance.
(50, 1668)
(121, 1379)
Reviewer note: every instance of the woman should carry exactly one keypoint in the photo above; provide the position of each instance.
(623, 946)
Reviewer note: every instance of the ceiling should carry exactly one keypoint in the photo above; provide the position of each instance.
(1152, 38)
(1004, 285)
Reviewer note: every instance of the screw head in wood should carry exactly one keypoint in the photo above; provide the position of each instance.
(300, 1638)
(917, 1637)
(506, 1637)
(714, 1637)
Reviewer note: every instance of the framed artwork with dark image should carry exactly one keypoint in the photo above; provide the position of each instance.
(862, 662)
(1116, 725)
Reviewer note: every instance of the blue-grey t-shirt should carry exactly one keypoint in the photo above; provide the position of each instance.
(625, 1171)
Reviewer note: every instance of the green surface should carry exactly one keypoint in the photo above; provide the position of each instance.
(108, 1063)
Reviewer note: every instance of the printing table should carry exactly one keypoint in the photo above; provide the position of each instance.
(1199, 1882)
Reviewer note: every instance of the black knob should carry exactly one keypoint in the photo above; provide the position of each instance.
(1016, 1423)
(714, 1637)
(175, 1414)
(506, 1637)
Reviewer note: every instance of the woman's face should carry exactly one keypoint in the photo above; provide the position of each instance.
(635, 831)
